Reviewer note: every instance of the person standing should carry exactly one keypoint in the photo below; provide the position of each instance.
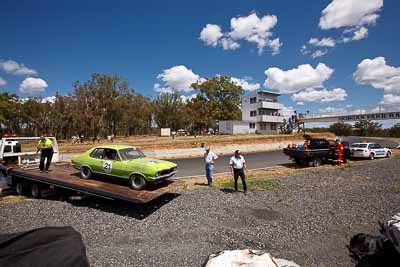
(339, 152)
(238, 166)
(209, 160)
(45, 146)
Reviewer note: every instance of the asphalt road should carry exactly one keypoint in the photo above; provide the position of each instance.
(195, 166)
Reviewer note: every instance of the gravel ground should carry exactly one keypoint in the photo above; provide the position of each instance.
(309, 221)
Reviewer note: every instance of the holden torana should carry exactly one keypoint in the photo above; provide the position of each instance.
(123, 161)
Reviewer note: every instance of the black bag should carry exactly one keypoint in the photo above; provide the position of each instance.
(44, 247)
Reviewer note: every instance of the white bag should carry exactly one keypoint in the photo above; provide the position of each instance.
(246, 258)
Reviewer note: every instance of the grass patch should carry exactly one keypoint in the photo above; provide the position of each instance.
(252, 184)
(11, 199)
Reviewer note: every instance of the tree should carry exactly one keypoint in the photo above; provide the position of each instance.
(168, 111)
(394, 131)
(341, 129)
(367, 128)
(217, 99)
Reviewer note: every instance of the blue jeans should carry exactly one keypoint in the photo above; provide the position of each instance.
(209, 173)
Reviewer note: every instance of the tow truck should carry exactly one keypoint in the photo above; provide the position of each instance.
(24, 176)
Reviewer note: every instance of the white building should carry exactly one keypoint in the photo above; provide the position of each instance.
(260, 114)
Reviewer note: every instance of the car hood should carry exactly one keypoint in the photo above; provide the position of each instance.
(154, 163)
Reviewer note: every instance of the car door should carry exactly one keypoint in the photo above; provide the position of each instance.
(96, 160)
(112, 164)
(379, 150)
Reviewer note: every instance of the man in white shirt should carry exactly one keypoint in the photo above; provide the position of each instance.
(238, 165)
(209, 158)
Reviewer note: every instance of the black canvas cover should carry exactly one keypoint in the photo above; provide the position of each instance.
(45, 247)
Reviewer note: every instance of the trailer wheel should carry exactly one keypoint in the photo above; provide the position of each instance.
(316, 162)
(86, 173)
(36, 191)
(137, 181)
(19, 188)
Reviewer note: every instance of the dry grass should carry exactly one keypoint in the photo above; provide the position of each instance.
(11, 199)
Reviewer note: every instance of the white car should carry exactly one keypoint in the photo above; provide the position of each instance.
(369, 150)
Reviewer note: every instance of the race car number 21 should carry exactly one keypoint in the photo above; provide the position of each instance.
(107, 166)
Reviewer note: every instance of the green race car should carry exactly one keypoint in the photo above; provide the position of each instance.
(122, 161)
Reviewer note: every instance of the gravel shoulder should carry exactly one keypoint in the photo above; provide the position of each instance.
(310, 220)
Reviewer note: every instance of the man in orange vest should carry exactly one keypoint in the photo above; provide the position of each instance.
(339, 152)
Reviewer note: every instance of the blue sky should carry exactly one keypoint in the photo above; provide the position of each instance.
(60, 42)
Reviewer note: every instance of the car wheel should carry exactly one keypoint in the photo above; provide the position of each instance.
(371, 156)
(19, 188)
(388, 154)
(137, 182)
(86, 173)
(36, 191)
(316, 162)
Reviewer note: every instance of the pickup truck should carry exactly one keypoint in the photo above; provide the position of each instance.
(319, 151)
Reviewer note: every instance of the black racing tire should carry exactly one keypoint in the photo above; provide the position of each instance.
(371, 156)
(86, 172)
(316, 162)
(36, 191)
(137, 181)
(20, 188)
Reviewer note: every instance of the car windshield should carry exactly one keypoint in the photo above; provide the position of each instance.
(359, 145)
(130, 153)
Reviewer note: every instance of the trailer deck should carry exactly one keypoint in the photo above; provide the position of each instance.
(65, 176)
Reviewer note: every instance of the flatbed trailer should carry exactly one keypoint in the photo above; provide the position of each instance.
(64, 176)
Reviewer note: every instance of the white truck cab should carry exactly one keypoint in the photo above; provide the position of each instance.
(369, 150)
(22, 150)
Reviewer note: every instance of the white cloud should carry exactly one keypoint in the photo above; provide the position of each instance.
(246, 84)
(211, 34)
(319, 53)
(275, 46)
(251, 28)
(2, 82)
(391, 99)
(186, 99)
(12, 67)
(177, 78)
(358, 34)
(294, 80)
(350, 13)
(33, 85)
(229, 44)
(328, 42)
(376, 73)
(162, 90)
(49, 99)
(324, 95)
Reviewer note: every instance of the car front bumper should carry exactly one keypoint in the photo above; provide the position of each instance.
(162, 177)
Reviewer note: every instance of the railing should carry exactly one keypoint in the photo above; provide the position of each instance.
(350, 111)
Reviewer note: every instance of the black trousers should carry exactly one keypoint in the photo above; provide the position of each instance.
(45, 154)
(239, 173)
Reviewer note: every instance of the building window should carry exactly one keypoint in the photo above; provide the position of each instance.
(273, 126)
(253, 100)
(263, 126)
(253, 113)
(252, 125)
